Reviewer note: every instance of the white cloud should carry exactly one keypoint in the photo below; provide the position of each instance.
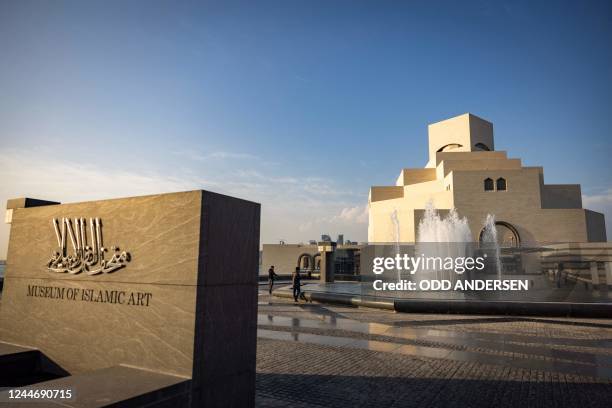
(602, 200)
(23, 174)
(230, 155)
(351, 221)
(221, 155)
(32, 175)
(294, 208)
(305, 226)
(358, 214)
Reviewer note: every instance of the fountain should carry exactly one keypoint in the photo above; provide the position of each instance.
(490, 243)
(452, 228)
(448, 236)
(396, 230)
(443, 237)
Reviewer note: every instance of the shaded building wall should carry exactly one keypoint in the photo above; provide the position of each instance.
(596, 226)
(561, 196)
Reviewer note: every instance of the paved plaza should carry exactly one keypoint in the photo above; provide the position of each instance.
(315, 355)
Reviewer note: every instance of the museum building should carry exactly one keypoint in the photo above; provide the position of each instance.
(465, 172)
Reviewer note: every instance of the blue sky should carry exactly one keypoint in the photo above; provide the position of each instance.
(298, 105)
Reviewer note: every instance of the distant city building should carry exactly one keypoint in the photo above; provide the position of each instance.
(466, 173)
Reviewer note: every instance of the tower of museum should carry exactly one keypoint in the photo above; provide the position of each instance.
(465, 172)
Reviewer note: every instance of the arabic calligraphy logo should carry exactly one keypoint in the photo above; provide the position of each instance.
(88, 259)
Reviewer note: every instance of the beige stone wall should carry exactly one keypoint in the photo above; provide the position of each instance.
(451, 156)
(523, 190)
(519, 205)
(381, 227)
(284, 257)
(416, 191)
(413, 176)
(479, 164)
(386, 193)
(466, 130)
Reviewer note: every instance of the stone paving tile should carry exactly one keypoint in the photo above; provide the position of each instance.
(315, 375)
(299, 375)
(266, 401)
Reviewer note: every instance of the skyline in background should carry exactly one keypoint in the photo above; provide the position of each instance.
(301, 106)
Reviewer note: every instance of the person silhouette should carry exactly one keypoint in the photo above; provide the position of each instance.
(296, 279)
(271, 276)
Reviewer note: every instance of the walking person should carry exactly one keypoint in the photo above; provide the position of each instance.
(297, 282)
(271, 276)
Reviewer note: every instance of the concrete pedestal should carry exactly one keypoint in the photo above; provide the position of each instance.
(327, 250)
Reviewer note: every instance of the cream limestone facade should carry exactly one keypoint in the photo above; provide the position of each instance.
(466, 173)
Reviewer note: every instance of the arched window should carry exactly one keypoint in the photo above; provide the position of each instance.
(488, 184)
(501, 184)
(482, 146)
(451, 146)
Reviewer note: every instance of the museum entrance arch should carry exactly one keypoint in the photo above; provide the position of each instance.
(507, 235)
(306, 262)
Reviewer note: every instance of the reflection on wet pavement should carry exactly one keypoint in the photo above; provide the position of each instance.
(449, 337)
(433, 352)
(444, 344)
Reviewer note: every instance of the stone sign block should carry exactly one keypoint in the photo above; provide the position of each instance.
(165, 283)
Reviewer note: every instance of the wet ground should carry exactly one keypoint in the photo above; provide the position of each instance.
(541, 289)
(313, 355)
